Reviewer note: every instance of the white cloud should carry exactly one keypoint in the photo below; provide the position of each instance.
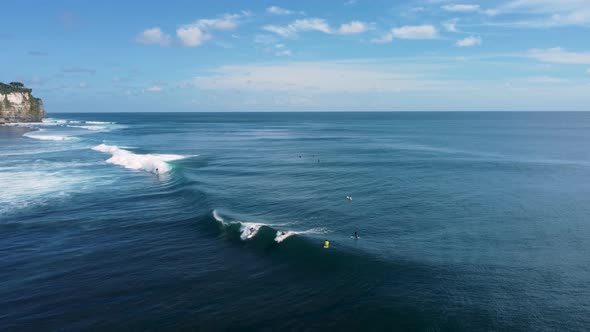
(352, 28)
(415, 32)
(451, 26)
(281, 11)
(291, 30)
(194, 34)
(558, 55)
(228, 22)
(153, 36)
(315, 24)
(191, 36)
(546, 6)
(461, 8)
(153, 88)
(411, 83)
(277, 49)
(281, 31)
(408, 32)
(280, 50)
(469, 41)
(386, 38)
(550, 13)
(319, 77)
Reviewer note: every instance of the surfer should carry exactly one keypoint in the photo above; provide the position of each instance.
(356, 235)
(251, 230)
(283, 233)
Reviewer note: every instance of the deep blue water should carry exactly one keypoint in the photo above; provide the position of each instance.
(467, 221)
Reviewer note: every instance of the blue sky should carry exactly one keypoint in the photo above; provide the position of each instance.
(117, 56)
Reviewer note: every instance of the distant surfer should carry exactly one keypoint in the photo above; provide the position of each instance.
(283, 233)
(251, 230)
(356, 235)
(156, 171)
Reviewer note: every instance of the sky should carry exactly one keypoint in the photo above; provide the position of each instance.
(345, 55)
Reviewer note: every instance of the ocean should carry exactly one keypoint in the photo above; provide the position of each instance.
(217, 221)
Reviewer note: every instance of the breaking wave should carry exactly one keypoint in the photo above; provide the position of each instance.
(93, 128)
(46, 137)
(250, 230)
(153, 163)
(283, 235)
(98, 122)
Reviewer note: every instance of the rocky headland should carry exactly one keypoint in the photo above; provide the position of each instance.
(17, 104)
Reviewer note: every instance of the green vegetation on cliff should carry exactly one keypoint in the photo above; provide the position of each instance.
(13, 87)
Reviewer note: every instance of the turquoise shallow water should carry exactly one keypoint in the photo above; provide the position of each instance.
(467, 221)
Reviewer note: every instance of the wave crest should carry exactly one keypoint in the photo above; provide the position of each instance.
(283, 235)
(93, 128)
(37, 135)
(153, 163)
(249, 230)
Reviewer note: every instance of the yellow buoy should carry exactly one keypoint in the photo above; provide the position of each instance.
(326, 244)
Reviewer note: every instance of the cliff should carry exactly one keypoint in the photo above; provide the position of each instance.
(17, 104)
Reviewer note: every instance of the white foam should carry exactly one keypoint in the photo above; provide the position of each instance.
(52, 121)
(40, 184)
(144, 162)
(280, 237)
(249, 230)
(45, 137)
(93, 128)
(98, 122)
